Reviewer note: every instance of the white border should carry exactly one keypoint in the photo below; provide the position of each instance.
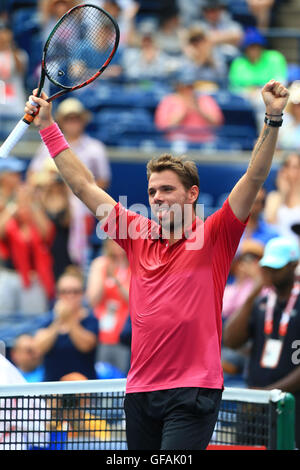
(119, 385)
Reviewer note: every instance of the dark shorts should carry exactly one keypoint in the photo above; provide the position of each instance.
(180, 418)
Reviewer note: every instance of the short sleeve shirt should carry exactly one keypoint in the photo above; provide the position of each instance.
(176, 298)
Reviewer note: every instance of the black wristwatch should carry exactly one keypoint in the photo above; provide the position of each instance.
(272, 123)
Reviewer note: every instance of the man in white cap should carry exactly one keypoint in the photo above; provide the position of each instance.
(272, 323)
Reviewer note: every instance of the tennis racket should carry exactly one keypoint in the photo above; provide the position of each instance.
(77, 51)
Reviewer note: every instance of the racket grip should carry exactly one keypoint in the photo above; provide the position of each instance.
(13, 138)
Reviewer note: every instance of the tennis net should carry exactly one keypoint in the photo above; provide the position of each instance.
(88, 415)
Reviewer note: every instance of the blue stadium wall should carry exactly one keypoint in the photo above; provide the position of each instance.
(216, 179)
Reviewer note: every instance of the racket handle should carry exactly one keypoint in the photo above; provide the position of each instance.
(13, 138)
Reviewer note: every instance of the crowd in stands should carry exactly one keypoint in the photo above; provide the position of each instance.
(220, 45)
(71, 299)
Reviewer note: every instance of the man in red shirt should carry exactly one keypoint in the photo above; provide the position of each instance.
(179, 269)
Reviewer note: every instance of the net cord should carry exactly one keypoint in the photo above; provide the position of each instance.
(119, 385)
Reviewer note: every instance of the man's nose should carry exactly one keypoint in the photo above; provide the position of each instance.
(158, 198)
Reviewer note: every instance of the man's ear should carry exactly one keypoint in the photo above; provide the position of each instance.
(194, 193)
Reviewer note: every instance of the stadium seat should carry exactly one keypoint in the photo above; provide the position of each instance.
(105, 94)
(237, 109)
(129, 127)
(106, 370)
(236, 137)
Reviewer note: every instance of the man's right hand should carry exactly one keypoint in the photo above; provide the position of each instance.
(44, 117)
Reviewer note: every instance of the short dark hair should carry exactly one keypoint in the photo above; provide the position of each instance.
(186, 170)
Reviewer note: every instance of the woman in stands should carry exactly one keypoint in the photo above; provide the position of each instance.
(108, 294)
(68, 341)
(26, 235)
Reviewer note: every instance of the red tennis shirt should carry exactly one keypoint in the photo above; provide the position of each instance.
(176, 298)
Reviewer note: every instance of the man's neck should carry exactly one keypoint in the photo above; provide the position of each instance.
(177, 234)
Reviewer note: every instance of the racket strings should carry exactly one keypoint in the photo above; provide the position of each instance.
(80, 45)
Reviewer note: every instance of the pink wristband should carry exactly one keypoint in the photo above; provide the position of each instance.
(54, 139)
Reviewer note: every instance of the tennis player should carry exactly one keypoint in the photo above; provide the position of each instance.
(174, 386)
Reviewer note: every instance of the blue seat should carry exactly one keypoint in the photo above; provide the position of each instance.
(121, 95)
(237, 136)
(112, 126)
(240, 126)
(130, 118)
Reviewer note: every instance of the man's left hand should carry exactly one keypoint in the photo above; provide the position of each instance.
(275, 97)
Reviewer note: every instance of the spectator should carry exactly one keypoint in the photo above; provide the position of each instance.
(290, 137)
(13, 64)
(224, 33)
(10, 179)
(187, 115)
(188, 11)
(26, 234)
(74, 414)
(27, 360)
(124, 11)
(93, 53)
(257, 228)
(262, 12)
(245, 270)
(53, 195)
(108, 293)
(11, 170)
(50, 11)
(296, 230)
(283, 205)
(73, 119)
(257, 64)
(268, 321)
(203, 60)
(146, 61)
(254, 67)
(169, 34)
(68, 341)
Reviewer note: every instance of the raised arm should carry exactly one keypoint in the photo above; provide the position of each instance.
(241, 198)
(74, 172)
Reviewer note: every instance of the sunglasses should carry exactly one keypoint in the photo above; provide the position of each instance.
(69, 291)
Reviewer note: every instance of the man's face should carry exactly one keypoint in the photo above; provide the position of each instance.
(11, 180)
(25, 354)
(73, 124)
(280, 278)
(169, 199)
(212, 15)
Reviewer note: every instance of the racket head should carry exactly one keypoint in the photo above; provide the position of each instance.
(80, 47)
